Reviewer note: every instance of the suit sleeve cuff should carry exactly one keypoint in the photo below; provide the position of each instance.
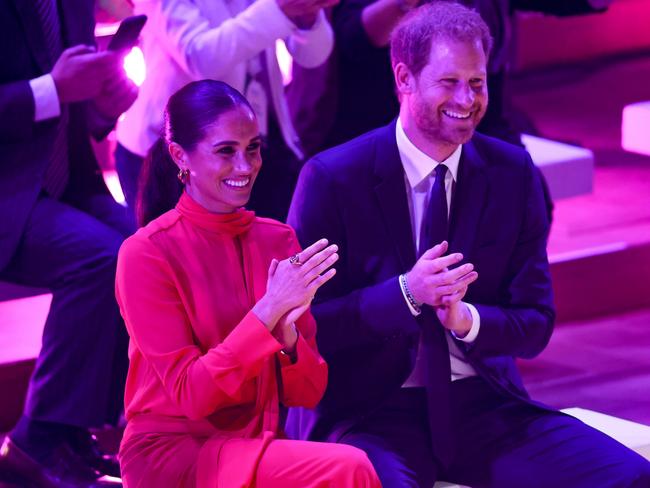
(46, 99)
(476, 325)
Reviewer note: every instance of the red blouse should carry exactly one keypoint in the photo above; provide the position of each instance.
(202, 364)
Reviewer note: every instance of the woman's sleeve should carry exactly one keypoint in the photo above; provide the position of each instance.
(304, 382)
(196, 381)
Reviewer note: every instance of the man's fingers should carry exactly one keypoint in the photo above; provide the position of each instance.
(457, 273)
(436, 251)
(455, 297)
(438, 265)
(462, 282)
(78, 50)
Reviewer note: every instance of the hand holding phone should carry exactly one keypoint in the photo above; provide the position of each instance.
(127, 33)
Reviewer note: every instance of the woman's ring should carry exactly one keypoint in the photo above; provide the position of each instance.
(295, 260)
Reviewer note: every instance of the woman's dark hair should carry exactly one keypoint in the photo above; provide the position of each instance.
(188, 115)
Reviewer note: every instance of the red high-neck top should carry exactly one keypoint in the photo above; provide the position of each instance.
(204, 371)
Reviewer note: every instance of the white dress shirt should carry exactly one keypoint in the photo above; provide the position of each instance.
(419, 176)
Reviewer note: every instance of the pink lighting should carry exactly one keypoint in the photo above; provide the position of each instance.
(134, 66)
(113, 183)
(636, 128)
(285, 61)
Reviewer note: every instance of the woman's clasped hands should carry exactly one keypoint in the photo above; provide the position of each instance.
(291, 286)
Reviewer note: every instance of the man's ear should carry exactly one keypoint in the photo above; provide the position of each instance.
(178, 155)
(404, 79)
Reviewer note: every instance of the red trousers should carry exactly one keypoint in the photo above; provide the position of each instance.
(302, 464)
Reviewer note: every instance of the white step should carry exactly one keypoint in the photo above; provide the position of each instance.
(569, 170)
(635, 130)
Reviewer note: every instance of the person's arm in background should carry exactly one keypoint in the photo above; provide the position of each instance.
(210, 52)
(79, 75)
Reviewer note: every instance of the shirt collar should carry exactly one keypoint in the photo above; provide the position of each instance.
(417, 165)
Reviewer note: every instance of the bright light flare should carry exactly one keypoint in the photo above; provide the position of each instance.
(134, 66)
(285, 61)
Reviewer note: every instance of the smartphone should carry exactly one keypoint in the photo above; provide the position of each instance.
(127, 33)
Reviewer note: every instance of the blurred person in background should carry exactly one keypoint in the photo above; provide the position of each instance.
(61, 230)
(235, 42)
(359, 73)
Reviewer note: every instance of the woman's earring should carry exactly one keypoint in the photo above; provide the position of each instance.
(183, 175)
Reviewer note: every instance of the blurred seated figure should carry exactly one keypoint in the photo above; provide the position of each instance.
(233, 41)
(216, 302)
(61, 230)
(359, 92)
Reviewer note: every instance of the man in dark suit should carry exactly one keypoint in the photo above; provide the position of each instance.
(420, 344)
(61, 230)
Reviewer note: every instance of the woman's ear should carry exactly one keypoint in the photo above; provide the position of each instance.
(178, 155)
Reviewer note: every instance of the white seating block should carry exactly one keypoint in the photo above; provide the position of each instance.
(631, 434)
(635, 130)
(569, 170)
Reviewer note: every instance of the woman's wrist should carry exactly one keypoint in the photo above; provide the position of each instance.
(264, 311)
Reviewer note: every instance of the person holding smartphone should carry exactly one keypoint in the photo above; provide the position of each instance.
(61, 230)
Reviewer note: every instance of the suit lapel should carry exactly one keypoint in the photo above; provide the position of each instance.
(468, 201)
(391, 195)
(33, 33)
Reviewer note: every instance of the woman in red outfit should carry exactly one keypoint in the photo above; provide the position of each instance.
(216, 302)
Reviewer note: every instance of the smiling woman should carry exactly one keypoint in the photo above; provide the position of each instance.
(216, 303)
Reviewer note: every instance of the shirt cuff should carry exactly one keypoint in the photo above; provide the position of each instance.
(476, 325)
(46, 99)
(414, 312)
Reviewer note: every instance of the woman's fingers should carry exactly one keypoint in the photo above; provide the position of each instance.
(317, 270)
(320, 280)
(306, 254)
(273, 267)
(317, 259)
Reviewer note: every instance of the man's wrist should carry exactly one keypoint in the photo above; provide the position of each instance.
(475, 324)
(413, 304)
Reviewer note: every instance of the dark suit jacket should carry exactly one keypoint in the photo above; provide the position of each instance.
(24, 144)
(355, 196)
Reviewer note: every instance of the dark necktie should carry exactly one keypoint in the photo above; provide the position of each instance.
(434, 224)
(434, 343)
(57, 171)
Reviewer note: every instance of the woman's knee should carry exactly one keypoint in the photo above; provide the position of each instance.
(353, 468)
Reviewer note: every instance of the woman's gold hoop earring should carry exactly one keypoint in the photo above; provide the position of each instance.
(183, 175)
